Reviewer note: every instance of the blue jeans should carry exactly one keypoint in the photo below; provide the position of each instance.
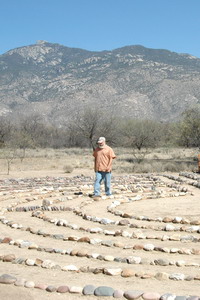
(102, 176)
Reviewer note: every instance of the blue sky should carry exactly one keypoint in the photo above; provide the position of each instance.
(102, 24)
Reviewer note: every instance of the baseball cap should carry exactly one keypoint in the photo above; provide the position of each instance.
(101, 140)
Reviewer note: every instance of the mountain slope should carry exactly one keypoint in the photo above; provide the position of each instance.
(131, 81)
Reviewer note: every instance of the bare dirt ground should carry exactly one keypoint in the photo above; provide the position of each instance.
(25, 188)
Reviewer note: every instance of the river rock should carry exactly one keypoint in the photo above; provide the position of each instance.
(96, 230)
(89, 289)
(7, 279)
(6, 240)
(75, 290)
(118, 244)
(112, 272)
(151, 296)
(177, 276)
(48, 264)
(162, 276)
(149, 247)
(63, 289)
(29, 284)
(132, 295)
(180, 263)
(82, 253)
(84, 239)
(124, 222)
(118, 294)
(109, 258)
(41, 286)
(161, 262)
(20, 282)
(169, 227)
(51, 288)
(70, 268)
(9, 258)
(134, 260)
(168, 296)
(104, 291)
(127, 273)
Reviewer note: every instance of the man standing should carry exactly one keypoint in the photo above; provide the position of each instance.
(103, 155)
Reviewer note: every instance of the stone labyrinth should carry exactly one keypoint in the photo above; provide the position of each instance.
(140, 243)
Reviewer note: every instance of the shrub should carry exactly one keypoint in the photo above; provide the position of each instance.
(143, 168)
(68, 169)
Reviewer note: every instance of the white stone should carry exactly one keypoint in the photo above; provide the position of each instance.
(149, 247)
(165, 237)
(109, 232)
(108, 258)
(178, 219)
(48, 264)
(126, 234)
(75, 290)
(70, 268)
(30, 262)
(174, 250)
(192, 229)
(180, 263)
(94, 255)
(169, 227)
(177, 276)
(73, 226)
(112, 272)
(95, 241)
(14, 225)
(134, 259)
(29, 284)
(96, 230)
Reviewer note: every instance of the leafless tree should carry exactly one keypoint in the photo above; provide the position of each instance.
(141, 135)
(88, 125)
(5, 130)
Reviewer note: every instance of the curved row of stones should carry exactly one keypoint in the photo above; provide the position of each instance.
(47, 203)
(63, 185)
(123, 233)
(166, 219)
(92, 290)
(126, 272)
(78, 211)
(195, 179)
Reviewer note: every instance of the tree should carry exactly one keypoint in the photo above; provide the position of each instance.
(34, 132)
(21, 140)
(88, 125)
(189, 128)
(5, 130)
(141, 135)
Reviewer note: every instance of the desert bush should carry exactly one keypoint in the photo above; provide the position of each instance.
(68, 169)
(177, 167)
(143, 168)
(170, 167)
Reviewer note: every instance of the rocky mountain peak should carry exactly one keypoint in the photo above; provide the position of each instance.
(133, 81)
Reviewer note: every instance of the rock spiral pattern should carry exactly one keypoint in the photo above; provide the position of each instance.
(52, 224)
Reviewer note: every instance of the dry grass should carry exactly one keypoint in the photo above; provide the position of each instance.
(68, 160)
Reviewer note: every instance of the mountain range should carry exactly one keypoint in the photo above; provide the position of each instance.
(133, 81)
